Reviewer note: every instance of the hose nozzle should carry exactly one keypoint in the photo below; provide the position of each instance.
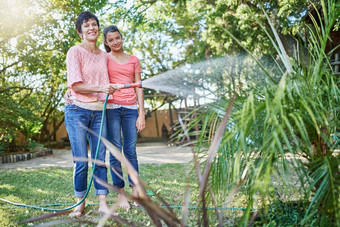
(138, 84)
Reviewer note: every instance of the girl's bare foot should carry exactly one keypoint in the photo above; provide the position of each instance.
(135, 194)
(135, 204)
(122, 200)
(78, 211)
(103, 207)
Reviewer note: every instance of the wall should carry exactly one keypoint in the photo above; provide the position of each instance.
(163, 117)
(150, 131)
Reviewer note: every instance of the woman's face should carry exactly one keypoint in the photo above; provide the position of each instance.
(114, 41)
(90, 30)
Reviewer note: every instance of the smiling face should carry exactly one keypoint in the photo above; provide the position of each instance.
(115, 41)
(89, 30)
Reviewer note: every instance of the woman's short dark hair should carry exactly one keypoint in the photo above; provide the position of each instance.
(112, 28)
(84, 17)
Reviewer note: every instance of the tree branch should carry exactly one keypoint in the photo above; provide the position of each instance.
(15, 87)
(148, 2)
(9, 66)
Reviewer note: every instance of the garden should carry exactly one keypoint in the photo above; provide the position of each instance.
(263, 81)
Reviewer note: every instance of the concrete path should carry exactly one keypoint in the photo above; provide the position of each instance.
(156, 153)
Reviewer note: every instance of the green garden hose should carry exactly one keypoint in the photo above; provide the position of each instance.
(18, 206)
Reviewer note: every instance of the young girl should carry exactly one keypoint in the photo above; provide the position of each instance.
(123, 120)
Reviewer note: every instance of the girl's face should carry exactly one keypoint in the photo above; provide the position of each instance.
(115, 41)
(90, 30)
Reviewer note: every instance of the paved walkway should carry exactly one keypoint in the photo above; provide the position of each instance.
(156, 153)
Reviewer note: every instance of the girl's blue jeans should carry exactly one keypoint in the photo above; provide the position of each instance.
(122, 132)
(77, 121)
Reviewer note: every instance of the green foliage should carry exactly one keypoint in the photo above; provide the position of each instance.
(286, 214)
(285, 128)
(32, 145)
(200, 25)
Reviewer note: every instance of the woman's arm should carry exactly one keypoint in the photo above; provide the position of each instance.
(140, 124)
(87, 88)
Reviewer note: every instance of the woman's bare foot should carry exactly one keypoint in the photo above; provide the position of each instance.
(78, 211)
(135, 194)
(122, 200)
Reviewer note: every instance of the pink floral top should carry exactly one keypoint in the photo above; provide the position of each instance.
(88, 68)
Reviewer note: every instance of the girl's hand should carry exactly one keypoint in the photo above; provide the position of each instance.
(140, 123)
(117, 86)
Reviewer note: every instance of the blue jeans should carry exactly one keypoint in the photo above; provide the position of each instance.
(77, 121)
(121, 128)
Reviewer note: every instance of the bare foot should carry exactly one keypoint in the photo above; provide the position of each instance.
(103, 207)
(135, 194)
(107, 210)
(78, 211)
(122, 200)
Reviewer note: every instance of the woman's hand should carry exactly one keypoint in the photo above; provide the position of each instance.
(140, 123)
(110, 88)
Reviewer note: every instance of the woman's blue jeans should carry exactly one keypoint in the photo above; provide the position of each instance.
(121, 129)
(77, 121)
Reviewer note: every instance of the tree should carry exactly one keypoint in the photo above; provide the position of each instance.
(34, 43)
(201, 27)
(167, 34)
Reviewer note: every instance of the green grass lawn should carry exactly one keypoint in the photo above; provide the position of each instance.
(54, 186)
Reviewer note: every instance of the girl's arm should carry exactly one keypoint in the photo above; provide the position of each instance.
(140, 124)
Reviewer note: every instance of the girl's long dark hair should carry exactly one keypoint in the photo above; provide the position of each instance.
(112, 28)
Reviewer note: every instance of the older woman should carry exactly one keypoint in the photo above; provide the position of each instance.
(88, 84)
